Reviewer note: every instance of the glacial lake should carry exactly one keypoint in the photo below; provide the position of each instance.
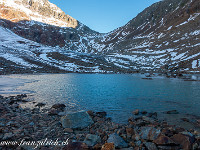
(117, 94)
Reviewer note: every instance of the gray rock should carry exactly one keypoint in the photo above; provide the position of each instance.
(59, 106)
(150, 146)
(149, 133)
(101, 114)
(136, 112)
(9, 123)
(7, 136)
(31, 124)
(117, 140)
(76, 120)
(147, 119)
(172, 112)
(92, 139)
(138, 143)
(2, 124)
(53, 112)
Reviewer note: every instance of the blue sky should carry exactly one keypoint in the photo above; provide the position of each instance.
(103, 15)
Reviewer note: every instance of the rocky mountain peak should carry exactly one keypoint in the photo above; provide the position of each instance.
(38, 10)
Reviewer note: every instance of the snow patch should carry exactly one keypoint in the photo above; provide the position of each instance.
(17, 60)
(170, 28)
(194, 64)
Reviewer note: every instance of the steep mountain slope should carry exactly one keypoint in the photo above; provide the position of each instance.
(165, 38)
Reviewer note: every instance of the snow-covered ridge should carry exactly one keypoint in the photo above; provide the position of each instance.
(32, 9)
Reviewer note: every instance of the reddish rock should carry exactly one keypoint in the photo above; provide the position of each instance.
(183, 140)
(108, 146)
(132, 144)
(163, 140)
(179, 129)
(91, 113)
(130, 131)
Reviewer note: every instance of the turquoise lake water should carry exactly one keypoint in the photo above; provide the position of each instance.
(117, 94)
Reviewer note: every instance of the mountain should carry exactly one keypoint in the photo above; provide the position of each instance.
(37, 36)
(37, 10)
(164, 37)
(42, 22)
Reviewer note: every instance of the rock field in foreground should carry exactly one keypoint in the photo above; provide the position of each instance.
(143, 132)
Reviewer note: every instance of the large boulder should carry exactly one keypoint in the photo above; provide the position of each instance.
(117, 140)
(76, 120)
(185, 141)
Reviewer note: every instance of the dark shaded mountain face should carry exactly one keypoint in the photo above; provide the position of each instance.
(164, 38)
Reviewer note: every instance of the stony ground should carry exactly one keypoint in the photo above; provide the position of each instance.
(87, 130)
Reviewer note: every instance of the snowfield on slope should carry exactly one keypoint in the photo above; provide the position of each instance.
(15, 48)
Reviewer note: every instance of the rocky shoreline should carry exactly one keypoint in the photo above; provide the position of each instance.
(87, 130)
